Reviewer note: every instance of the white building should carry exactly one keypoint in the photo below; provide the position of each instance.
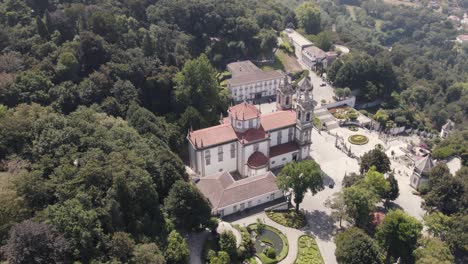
(249, 82)
(446, 129)
(313, 56)
(298, 41)
(249, 144)
(421, 171)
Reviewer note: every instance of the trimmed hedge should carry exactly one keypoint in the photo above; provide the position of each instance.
(289, 218)
(308, 251)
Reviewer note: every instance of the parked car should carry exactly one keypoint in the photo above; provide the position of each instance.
(322, 84)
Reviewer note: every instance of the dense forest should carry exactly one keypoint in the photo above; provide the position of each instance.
(95, 100)
(96, 97)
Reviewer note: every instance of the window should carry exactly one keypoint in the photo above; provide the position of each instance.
(290, 134)
(220, 154)
(250, 123)
(272, 196)
(308, 116)
(233, 150)
(234, 208)
(221, 212)
(299, 115)
(249, 204)
(287, 100)
(273, 162)
(256, 147)
(278, 138)
(207, 157)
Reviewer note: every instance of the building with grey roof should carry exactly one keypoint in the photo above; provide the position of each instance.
(249, 82)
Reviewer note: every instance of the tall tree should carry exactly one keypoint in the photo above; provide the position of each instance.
(36, 243)
(148, 253)
(121, 246)
(227, 243)
(197, 86)
(300, 177)
(308, 17)
(187, 206)
(398, 235)
(337, 204)
(377, 158)
(360, 203)
(394, 190)
(432, 250)
(376, 182)
(177, 251)
(354, 246)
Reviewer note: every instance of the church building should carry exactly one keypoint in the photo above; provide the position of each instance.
(247, 145)
(252, 143)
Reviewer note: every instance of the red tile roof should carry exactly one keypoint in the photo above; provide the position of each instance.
(225, 132)
(212, 136)
(244, 111)
(221, 195)
(283, 149)
(252, 135)
(278, 119)
(257, 159)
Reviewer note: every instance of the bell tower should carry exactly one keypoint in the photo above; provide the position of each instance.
(284, 95)
(304, 116)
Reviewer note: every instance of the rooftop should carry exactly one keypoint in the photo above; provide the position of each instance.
(242, 67)
(298, 38)
(257, 159)
(212, 136)
(244, 111)
(424, 165)
(315, 52)
(278, 119)
(225, 132)
(222, 190)
(283, 149)
(253, 77)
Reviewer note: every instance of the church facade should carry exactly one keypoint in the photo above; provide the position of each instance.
(250, 143)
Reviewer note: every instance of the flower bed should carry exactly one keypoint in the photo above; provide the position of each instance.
(353, 128)
(358, 139)
(308, 251)
(289, 218)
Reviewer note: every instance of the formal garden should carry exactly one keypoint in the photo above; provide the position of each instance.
(290, 218)
(271, 246)
(308, 251)
(358, 139)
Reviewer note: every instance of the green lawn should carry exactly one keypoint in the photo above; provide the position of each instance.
(276, 65)
(308, 252)
(289, 218)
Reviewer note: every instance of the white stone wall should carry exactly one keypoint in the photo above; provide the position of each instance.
(284, 136)
(227, 164)
(253, 202)
(248, 91)
(253, 172)
(281, 160)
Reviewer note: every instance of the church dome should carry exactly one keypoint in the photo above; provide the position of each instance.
(257, 160)
(244, 111)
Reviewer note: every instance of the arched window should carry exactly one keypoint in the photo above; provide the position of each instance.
(308, 116)
(287, 100)
(299, 115)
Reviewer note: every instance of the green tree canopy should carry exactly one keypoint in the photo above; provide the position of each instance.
(432, 250)
(308, 17)
(187, 206)
(177, 251)
(354, 246)
(377, 158)
(360, 203)
(398, 235)
(300, 177)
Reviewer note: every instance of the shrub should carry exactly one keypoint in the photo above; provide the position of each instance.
(424, 188)
(270, 252)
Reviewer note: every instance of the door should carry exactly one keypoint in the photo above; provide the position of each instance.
(294, 156)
